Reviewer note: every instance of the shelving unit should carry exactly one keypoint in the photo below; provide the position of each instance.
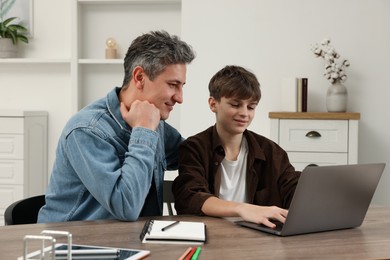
(92, 76)
(93, 21)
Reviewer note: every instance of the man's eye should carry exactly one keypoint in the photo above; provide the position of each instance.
(235, 105)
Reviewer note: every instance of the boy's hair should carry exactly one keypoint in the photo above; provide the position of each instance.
(235, 81)
(154, 51)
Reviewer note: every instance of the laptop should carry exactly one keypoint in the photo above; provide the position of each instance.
(328, 198)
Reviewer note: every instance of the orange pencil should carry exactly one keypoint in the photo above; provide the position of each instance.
(190, 254)
(185, 254)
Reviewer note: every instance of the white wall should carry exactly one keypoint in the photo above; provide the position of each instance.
(42, 87)
(270, 37)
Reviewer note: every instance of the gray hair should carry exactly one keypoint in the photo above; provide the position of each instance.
(153, 52)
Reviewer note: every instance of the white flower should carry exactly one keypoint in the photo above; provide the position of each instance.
(334, 72)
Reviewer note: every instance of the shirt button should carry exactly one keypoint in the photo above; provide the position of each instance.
(216, 163)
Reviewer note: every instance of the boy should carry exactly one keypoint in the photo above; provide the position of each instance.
(229, 171)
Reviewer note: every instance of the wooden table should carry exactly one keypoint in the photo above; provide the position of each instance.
(225, 239)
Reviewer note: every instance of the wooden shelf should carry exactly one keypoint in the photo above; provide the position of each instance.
(315, 115)
(34, 61)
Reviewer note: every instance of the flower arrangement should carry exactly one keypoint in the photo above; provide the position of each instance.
(334, 72)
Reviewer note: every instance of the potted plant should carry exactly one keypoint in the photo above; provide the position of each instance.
(10, 32)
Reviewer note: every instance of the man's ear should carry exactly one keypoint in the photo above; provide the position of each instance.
(212, 103)
(139, 77)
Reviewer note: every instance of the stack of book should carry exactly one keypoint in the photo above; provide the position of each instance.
(294, 94)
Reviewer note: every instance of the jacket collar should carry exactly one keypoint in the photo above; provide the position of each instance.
(255, 150)
(113, 106)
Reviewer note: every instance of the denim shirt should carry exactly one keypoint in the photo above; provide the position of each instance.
(106, 170)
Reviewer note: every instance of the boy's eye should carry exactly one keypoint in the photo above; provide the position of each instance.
(234, 105)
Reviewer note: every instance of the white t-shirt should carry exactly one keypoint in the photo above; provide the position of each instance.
(233, 176)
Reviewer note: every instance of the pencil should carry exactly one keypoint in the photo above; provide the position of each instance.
(190, 254)
(185, 254)
(196, 254)
(170, 225)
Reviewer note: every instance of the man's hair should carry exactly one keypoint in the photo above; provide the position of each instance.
(153, 52)
(235, 82)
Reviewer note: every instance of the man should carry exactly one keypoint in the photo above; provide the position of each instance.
(112, 154)
(229, 171)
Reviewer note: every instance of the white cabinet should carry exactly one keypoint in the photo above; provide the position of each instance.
(316, 138)
(23, 156)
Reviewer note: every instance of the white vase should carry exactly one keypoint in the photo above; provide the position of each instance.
(7, 48)
(337, 98)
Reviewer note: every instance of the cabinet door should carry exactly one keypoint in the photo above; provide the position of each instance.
(314, 135)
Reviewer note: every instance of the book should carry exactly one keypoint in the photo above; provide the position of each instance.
(294, 94)
(299, 95)
(304, 94)
(289, 94)
(174, 232)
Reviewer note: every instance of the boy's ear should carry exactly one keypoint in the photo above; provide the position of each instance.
(212, 103)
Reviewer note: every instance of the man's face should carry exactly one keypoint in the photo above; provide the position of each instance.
(166, 89)
(233, 115)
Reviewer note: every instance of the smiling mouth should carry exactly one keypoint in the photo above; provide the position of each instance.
(170, 106)
(241, 122)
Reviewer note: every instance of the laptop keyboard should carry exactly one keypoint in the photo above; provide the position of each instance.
(279, 225)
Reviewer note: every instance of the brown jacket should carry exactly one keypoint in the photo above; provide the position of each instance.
(270, 179)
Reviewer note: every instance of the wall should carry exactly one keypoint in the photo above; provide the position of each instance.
(270, 37)
(43, 86)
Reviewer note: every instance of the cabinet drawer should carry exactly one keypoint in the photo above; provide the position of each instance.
(11, 146)
(301, 160)
(301, 135)
(10, 125)
(11, 171)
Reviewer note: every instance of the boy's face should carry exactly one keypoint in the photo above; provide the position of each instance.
(233, 115)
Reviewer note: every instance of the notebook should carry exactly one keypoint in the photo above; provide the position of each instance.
(176, 232)
(328, 198)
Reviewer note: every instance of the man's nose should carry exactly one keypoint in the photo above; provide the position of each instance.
(178, 97)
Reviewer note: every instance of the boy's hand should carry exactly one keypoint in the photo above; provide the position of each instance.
(262, 215)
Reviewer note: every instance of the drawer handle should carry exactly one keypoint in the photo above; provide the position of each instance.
(313, 134)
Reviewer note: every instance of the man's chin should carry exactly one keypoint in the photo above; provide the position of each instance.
(164, 116)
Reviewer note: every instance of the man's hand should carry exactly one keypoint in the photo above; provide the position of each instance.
(141, 114)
